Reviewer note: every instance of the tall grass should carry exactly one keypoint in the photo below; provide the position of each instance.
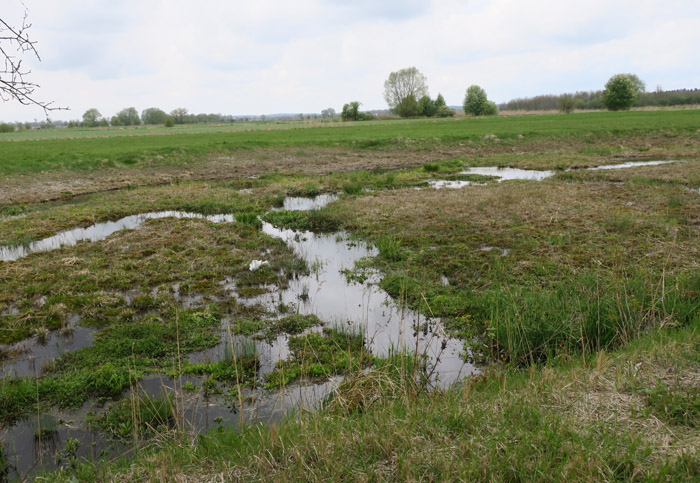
(532, 325)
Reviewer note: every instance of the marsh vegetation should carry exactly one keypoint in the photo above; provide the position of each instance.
(542, 328)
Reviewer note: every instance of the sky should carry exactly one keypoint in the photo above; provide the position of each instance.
(303, 56)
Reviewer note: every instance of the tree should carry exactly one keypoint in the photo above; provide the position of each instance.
(639, 84)
(408, 107)
(14, 81)
(169, 121)
(441, 109)
(153, 115)
(328, 113)
(128, 117)
(428, 107)
(477, 104)
(179, 115)
(621, 92)
(400, 86)
(91, 117)
(351, 111)
(567, 104)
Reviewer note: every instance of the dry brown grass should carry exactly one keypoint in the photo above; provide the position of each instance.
(574, 225)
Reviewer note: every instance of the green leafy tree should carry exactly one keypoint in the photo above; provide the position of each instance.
(476, 102)
(350, 111)
(169, 121)
(491, 109)
(5, 127)
(621, 92)
(639, 84)
(129, 117)
(91, 117)
(153, 116)
(400, 86)
(408, 107)
(441, 109)
(440, 101)
(427, 106)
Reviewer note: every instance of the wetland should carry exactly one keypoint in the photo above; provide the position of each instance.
(330, 295)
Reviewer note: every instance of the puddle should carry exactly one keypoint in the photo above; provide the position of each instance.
(197, 414)
(451, 184)
(27, 453)
(99, 231)
(503, 174)
(297, 203)
(507, 174)
(632, 164)
(33, 354)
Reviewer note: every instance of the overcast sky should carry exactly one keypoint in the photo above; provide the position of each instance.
(272, 56)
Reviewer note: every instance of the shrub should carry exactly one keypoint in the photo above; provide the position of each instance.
(620, 93)
(477, 104)
(567, 104)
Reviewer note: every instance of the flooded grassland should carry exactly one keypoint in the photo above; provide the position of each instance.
(142, 317)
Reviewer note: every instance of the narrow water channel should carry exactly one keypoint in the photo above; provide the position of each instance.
(99, 231)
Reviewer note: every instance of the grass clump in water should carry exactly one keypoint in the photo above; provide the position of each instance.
(292, 325)
(138, 417)
(319, 221)
(338, 350)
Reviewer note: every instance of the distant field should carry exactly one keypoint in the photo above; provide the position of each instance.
(85, 150)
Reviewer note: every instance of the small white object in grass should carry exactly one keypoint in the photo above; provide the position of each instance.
(255, 264)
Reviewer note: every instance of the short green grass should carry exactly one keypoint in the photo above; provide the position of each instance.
(144, 147)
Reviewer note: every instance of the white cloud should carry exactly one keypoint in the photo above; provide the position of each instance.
(275, 56)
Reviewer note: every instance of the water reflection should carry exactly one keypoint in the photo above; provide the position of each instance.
(99, 231)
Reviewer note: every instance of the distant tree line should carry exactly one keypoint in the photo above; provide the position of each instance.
(594, 100)
(150, 116)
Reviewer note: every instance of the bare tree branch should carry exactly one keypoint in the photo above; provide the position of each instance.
(14, 81)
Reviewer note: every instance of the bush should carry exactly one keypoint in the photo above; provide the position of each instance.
(409, 107)
(477, 104)
(444, 111)
(4, 127)
(567, 104)
(169, 121)
(620, 93)
(427, 106)
(491, 109)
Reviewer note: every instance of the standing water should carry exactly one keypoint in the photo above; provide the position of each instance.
(326, 292)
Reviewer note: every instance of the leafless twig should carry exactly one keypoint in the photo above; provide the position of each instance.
(14, 82)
